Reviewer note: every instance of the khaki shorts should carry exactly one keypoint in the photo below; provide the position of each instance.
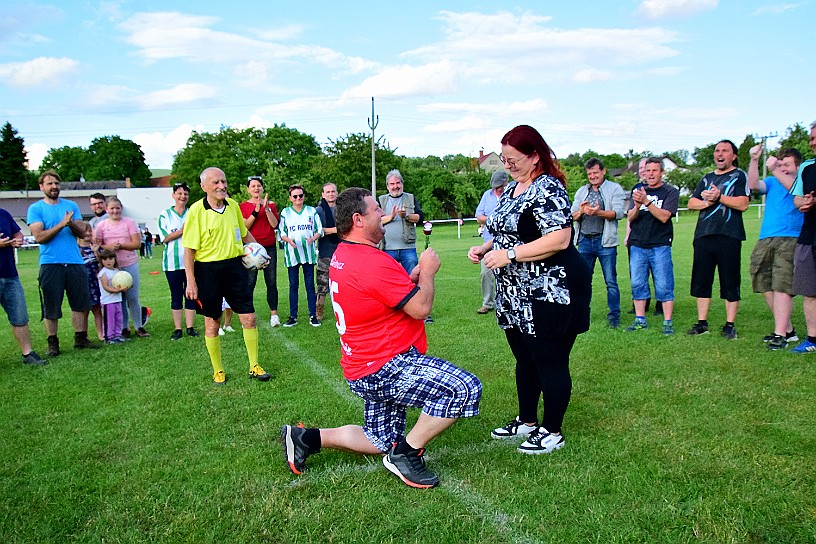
(772, 265)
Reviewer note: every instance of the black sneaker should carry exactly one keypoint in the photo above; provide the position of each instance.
(429, 319)
(541, 441)
(789, 337)
(33, 359)
(729, 332)
(291, 322)
(176, 335)
(192, 332)
(410, 468)
(698, 328)
(53, 347)
(294, 449)
(314, 321)
(513, 429)
(777, 342)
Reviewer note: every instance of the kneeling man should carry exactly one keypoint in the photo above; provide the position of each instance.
(380, 314)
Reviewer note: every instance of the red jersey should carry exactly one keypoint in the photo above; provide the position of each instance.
(261, 230)
(368, 289)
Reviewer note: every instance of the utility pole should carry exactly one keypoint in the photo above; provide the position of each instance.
(372, 124)
(764, 141)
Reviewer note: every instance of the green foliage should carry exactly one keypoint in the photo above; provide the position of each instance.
(115, 158)
(346, 162)
(798, 137)
(704, 156)
(743, 155)
(13, 170)
(281, 155)
(627, 180)
(442, 193)
(686, 178)
(680, 157)
(69, 162)
(107, 158)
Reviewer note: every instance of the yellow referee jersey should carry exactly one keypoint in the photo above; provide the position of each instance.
(215, 236)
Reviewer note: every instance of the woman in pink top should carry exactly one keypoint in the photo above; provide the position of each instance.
(122, 235)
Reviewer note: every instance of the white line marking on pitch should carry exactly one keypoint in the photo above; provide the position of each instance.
(476, 503)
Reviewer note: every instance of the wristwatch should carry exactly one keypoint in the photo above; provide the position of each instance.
(511, 254)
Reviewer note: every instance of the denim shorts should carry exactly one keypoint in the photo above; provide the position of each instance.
(420, 381)
(13, 301)
(659, 261)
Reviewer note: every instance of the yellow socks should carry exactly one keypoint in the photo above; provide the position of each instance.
(214, 349)
(251, 342)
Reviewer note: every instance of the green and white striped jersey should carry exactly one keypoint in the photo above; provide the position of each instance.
(299, 227)
(173, 257)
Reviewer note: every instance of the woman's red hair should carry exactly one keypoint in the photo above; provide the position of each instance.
(527, 140)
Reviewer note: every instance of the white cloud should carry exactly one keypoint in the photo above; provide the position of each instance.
(160, 148)
(660, 9)
(37, 71)
(403, 81)
(775, 9)
(463, 124)
(182, 94)
(526, 48)
(591, 76)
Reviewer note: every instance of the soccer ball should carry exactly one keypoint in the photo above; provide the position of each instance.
(255, 256)
(121, 280)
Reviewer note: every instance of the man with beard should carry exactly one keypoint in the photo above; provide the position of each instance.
(97, 202)
(62, 269)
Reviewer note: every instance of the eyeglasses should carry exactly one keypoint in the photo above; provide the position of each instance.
(512, 162)
(296, 197)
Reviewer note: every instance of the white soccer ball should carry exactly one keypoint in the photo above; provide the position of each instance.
(255, 256)
(122, 280)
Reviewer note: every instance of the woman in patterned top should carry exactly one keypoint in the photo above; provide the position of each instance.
(543, 286)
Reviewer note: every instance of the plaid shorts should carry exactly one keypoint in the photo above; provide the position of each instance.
(420, 381)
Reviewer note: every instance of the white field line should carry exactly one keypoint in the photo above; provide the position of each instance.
(480, 506)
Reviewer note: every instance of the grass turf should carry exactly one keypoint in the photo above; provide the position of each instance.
(679, 439)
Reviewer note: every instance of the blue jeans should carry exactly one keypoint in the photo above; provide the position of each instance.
(311, 297)
(659, 260)
(591, 249)
(406, 257)
(13, 301)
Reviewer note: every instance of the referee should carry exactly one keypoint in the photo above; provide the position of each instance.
(214, 238)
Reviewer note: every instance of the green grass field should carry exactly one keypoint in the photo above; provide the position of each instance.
(679, 439)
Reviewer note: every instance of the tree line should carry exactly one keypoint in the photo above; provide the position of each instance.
(447, 187)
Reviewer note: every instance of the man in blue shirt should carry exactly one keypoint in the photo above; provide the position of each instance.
(772, 258)
(62, 270)
(12, 297)
(486, 206)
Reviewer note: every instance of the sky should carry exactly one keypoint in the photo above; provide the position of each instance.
(447, 77)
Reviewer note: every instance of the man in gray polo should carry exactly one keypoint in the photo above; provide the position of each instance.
(597, 208)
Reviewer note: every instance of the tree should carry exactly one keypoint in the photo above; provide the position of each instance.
(743, 151)
(69, 162)
(704, 156)
(112, 157)
(281, 155)
(797, 137)
(13, 165)
(347, 162)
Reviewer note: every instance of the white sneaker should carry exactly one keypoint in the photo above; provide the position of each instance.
(514, 428)
(229, 328)
(274, 321)
(542, 441)
(221, 332)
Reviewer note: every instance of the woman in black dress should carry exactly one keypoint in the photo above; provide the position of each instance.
(543, 286)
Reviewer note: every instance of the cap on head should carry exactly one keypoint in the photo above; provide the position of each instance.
(498, 179)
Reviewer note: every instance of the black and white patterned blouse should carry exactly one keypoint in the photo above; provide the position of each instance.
(543, 208)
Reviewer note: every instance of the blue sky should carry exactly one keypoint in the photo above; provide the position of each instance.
(447, 77)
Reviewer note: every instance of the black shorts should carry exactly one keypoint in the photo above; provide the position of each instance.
(57, 280)
(720, 252)
(223, 280)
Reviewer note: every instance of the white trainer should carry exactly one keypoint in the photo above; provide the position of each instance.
(542, 441)
(512, 429)
(274, 321)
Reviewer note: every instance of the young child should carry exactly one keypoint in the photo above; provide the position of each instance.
(88, 249)
(111, 298)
